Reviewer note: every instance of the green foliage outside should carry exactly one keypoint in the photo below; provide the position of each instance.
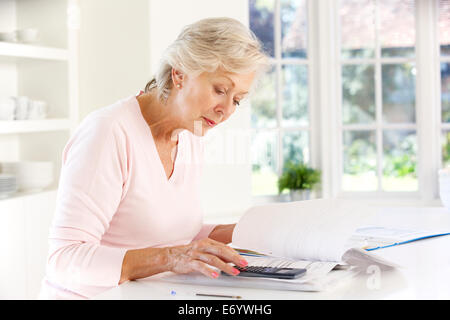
(298, 176)
(402, 161)
(398, 160)
(446, 149)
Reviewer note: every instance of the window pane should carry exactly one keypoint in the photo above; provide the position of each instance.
(296, 147)
(445, 148)
(294, 28)
(357, 30)
(360, 161)
(263, 102)
(358, 93)
(264, 163)
(399, 161)
(444, 27)
(397, 28)
(445, 91)
(262, 23)
(295, 95)
(399, 93)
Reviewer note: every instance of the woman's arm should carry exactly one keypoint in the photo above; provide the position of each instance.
(90, 189)
(222, 233)
(196, 256)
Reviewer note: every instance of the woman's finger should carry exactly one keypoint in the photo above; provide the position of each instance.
(203, 268)
(216, 262)
(224, 252)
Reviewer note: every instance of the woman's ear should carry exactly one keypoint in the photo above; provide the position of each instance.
(177, 77)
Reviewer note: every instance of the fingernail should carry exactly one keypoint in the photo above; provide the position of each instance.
(215, 275)
(243, 263)
(236, 271)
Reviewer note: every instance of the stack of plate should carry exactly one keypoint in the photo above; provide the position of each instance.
(31, 176)
(8, 185)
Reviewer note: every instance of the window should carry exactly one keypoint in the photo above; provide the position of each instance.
(444, 42)
(378, 95)
(353, 90)
(280, 107)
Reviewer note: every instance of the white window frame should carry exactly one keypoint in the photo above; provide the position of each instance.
(278, 61)
(325, 100)
(442, 59)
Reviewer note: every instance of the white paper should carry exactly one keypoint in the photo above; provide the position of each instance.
(376, 236)
(313, 230)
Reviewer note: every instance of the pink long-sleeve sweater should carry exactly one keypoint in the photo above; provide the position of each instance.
(113, 196)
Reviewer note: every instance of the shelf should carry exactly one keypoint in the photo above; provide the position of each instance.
(18, 50)
(27, 126)
(18, 196)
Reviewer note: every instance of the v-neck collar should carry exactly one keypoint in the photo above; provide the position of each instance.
(150, 146)
(175, 161)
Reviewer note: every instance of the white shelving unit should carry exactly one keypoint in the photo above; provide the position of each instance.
(48, 71)
(24, 126)
(17, 51)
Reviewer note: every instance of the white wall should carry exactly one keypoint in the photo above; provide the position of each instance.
(114, 51)
(120, 48)
(226, 186)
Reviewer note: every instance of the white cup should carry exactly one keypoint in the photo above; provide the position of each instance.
(22, 106)
(28, 35)
(444, 187)
(7, 109)
(37, 110)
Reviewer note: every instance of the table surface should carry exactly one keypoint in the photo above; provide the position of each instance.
(424, 271)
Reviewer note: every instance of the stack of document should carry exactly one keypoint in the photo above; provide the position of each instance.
(320, 275)
(310, 234)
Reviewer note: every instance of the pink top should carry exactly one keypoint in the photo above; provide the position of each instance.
(113, 196)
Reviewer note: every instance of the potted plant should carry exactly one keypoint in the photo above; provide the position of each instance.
(299, 179)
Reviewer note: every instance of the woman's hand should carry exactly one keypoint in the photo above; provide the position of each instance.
(200, 255)
(197, 256)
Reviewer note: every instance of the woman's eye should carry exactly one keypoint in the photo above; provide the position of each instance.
(236, 103)
(220, 91)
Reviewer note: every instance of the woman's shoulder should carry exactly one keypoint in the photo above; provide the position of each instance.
(116, 111)
(102, 130)
(111, 117)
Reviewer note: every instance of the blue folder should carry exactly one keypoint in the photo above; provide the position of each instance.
(407, 241)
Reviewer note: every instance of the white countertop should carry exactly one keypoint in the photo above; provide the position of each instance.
(425, 271)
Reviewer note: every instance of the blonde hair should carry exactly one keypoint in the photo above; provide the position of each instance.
(206, 46)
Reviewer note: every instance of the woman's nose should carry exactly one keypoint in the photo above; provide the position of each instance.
(225, 107)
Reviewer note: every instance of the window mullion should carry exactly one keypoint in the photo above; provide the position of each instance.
(328, 101)
(427, 102)
(378, 98)
(278, 68)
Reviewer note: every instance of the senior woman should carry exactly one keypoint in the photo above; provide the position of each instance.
(128, 200)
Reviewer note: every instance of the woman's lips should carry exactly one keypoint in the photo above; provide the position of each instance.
(209, 122)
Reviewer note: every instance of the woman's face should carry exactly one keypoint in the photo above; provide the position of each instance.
(210, 98)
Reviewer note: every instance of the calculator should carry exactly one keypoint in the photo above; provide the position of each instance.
(270, 272)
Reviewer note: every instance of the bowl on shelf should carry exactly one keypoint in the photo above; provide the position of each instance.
(30, 175)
